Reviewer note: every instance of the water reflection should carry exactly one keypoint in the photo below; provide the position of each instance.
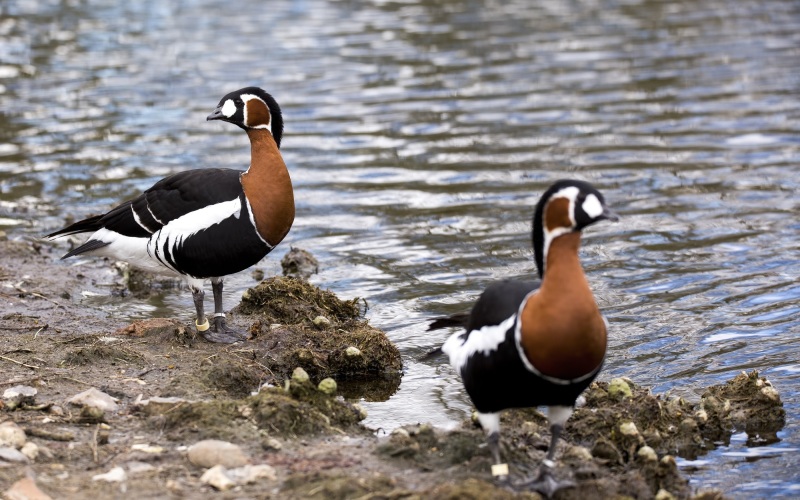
(419, 136)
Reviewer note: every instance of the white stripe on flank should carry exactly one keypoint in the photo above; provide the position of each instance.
(152, 214)
(139, 221)
(185, 226)
(485, 340)
(130, 249)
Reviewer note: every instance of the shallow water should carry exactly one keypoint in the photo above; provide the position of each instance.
(419, 136)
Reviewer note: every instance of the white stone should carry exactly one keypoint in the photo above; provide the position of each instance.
(146, 448)
(211, 452)
(352, 351)
(12, 435)
(30, 450)
(95, 399)
(628, 429)
(115, 475)
(20, 393)
(648, 454)
(216, 477)
(770, 393)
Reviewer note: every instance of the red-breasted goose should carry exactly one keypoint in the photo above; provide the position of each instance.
(531, 343)
(205, 223)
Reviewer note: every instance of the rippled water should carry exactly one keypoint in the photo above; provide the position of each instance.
(420, 134)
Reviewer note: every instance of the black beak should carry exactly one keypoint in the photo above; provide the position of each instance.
(607, 214)
(216, 114)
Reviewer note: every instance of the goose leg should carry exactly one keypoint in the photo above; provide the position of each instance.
(544, 482)
(491, 425)
(221, 332)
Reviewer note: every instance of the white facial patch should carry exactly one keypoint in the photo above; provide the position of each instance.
(592, 206)
(229, 108)
(245, 99)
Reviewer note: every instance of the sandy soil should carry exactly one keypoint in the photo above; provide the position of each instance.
(619, 445)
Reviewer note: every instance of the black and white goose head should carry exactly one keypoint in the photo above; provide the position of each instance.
(251, 108)
(567, 206)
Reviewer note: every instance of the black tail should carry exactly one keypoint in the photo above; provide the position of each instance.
(84, 226)
(456, 320)
(459, 320)
(86, 247)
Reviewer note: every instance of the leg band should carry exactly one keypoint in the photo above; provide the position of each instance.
(499, 470)
(201, 328)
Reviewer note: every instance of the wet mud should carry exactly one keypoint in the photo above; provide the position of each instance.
(288, 397)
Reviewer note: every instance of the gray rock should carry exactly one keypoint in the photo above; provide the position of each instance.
(10, 454)
(18, 395)
(95, 399)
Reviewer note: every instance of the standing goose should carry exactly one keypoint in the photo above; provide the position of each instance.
(529, 344)
(205, 223)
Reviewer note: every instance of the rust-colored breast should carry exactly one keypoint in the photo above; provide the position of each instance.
(563, 334)
(268, 188)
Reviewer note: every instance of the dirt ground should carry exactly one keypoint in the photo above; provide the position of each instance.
(173, 390)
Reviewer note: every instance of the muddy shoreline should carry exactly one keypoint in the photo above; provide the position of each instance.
(299, 436)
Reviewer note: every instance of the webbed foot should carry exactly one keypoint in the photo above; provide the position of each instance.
(545, 484)
(219, 332)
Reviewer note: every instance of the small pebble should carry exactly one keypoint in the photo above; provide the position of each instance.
(211, 452)
(115, 475)
(9, 454)
(327, 386)
(300, 376)
(361, 411)
(12, 435)
(321, 322)
(271, 443)
(30, 450)
(19, 395)
(648, 454)
(664, 495)
(92, 414)
(770, 393)
(94, 398)
(628, 429)
(579, 452)
(688, 425)
(400, 433)
(618, 388)
(217, 478)
(352, 351)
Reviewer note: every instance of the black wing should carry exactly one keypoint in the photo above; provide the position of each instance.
(498, 302)
(185, 192)
(168, 199)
